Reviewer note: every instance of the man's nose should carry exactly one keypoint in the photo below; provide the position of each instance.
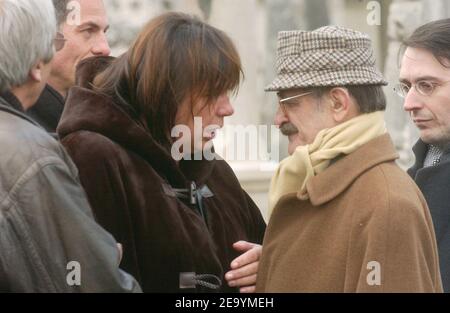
(101, 46)
(413, 101)
(280, 117)
(225, 108)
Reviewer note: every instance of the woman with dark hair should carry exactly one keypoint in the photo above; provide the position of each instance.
(181, 223)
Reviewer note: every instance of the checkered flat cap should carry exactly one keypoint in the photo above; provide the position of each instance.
(328, 56)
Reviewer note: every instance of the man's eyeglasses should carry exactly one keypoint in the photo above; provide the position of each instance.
(59, 41)
(423, 87)
(284, 102)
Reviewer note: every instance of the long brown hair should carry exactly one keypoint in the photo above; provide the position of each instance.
(175, 56)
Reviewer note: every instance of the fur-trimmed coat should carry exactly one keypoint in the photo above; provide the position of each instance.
(132, 184)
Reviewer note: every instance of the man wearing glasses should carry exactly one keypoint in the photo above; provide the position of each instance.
(345, 217)
(83, 27)
(425, 87)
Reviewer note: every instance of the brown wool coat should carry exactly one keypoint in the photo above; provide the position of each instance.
(363, 208)
(130, 182)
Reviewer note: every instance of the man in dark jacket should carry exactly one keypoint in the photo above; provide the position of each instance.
(83, 24)
(425, 86)
(49, 240)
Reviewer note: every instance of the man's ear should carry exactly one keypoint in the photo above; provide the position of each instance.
(341, 104)
(36, 72)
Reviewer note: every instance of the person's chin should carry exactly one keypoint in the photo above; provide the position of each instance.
(294, 142)
(432, 136)
(205, 145)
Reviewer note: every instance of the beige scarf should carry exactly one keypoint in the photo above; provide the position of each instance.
(308, 161)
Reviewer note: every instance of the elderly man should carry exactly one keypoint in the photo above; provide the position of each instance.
(49, 240)
(345, 217)
(424, 84)
(83, 25)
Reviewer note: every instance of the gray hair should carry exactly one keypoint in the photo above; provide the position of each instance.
(28, 28)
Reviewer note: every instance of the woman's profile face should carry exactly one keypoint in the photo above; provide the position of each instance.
(202, 120)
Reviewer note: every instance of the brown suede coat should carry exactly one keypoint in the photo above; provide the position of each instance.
(131, 180)
(366, 219)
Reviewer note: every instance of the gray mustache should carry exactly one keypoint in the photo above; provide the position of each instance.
(288, 129)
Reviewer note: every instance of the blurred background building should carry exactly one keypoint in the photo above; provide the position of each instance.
(254, 25)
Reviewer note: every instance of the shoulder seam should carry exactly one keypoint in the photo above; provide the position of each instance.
(29, 173)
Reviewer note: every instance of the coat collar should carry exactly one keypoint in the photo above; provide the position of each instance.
(48, 109)
(12, 101)
(6, 106)
(420, 150)
(338, 177)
